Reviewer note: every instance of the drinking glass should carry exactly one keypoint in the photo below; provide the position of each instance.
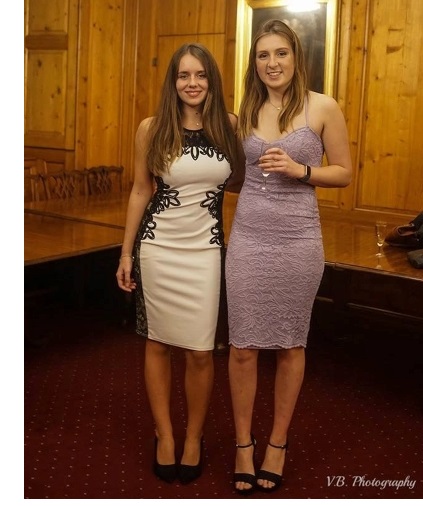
(264, 147)
(380, 231)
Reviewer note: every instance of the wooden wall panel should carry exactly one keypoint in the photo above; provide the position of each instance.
(229, 61)
(178, 17)
(47, 16)
(46, 100)
(129, 89)
(50, 64)
(350, 83)
(107, 84)
(391, 175)
(381, 60)
(101, 70)
(348, 90)
(146, 70)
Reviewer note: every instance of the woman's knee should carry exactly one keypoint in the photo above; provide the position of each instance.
(243, 356)
(199, 359)
(291, 355)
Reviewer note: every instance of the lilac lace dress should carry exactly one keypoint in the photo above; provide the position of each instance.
(275, 258)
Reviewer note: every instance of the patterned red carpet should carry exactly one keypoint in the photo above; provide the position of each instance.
(357, 431)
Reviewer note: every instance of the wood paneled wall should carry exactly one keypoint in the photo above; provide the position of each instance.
(94, 69)
(51, 29)
(380, 67)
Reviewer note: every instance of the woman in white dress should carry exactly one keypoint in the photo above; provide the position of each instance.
(173, 241)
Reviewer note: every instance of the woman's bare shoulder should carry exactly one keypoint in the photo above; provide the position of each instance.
(322, 101)
(143, 128)
(145, 124)
(323, 108)
(233, 118)
(142, 131)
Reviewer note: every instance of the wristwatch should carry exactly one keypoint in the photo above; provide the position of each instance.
(307, 174)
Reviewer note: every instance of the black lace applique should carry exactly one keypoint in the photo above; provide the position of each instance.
(214, 204)
(162, 200)
(141, 326)
(196, 144)
(164, 197)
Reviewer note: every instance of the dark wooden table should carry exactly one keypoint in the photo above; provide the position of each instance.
(105, 209)
(353, 245)
(49, 238)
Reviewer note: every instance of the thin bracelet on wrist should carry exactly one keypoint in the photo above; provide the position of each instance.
(127, 256)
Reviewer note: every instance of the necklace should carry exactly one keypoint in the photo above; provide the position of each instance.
(277, 108)
(198, 121)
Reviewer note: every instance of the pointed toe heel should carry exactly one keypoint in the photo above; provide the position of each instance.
(186, 473)
(166, 472)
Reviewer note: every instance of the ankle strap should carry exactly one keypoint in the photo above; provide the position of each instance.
(244, 446)
(253, 443)
(279, 447)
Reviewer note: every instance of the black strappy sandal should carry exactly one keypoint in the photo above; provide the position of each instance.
(268, 476)
(246, 477)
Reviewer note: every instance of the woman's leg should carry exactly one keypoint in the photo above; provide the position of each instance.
(157, 372)
(199, 376)
(243, 383)
(289, 377)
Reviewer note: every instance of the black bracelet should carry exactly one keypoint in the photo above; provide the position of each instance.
(307, 174)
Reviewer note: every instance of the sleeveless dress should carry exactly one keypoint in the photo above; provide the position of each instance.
(178, 249)
(275, 257)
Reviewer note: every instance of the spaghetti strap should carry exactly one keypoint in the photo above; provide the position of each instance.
(306, 109)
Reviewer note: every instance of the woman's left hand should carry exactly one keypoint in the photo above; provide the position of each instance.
(276, 160)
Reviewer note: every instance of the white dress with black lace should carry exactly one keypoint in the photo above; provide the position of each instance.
(178, 249)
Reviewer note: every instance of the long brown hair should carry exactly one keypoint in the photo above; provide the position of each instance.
(166, 132)
(255, 93)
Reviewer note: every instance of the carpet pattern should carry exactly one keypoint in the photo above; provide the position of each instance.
(357, 431)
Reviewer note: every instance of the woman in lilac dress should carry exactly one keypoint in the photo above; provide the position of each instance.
(275, 257)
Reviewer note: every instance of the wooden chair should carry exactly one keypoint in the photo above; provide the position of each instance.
(34, 168)
(64, 184)
(104, 179)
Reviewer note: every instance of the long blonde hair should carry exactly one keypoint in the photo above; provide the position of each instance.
(166, 135)
(255, 93)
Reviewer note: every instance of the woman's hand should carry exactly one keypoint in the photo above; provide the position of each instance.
(276, 160)
(123, 274)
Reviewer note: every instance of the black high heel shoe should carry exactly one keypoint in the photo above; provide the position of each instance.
(268, 476)
(166, 472)
(246, 477)
(186, 473)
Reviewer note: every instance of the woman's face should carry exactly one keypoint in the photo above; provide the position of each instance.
(192, 84)
(275, 62)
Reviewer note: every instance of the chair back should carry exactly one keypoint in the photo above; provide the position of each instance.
(64, 184)
(34, 168)
(104, 179)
